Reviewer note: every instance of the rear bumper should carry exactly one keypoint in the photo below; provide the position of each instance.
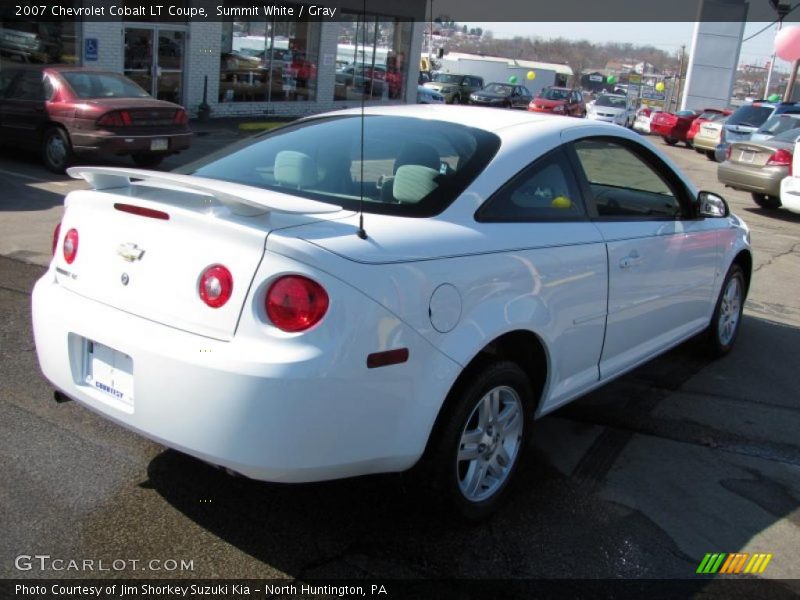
(764, 180)
(263, 407)
(663, 131)
(130, 144)
(705, 143)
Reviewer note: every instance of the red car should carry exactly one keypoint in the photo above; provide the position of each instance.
(64, 111)
(559, 101)
(709, 114)
(673, 127)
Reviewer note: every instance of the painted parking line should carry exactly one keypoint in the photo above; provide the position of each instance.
(32, 178)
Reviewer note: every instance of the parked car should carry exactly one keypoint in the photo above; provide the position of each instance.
(503, 95)
(759, 167)
(427, 96)
(643, 118)
(790, 188)
(708, 115)
(559, 101)
(749, 117)
(612, 108)
(455, 88)
(67, 111)
(708, 138)
(316, 320)
(672, 127)
(774, 125)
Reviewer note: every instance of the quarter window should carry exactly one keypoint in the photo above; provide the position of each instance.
(623, 185)
(544, 191)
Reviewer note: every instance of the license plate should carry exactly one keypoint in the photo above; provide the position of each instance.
(747, 157)
(159, 144)
(110, 372)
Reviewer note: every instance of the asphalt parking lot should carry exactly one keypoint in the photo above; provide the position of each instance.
(640, 479)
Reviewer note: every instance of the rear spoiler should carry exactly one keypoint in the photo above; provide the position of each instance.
(241, 199)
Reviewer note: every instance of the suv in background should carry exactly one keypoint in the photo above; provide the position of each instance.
(455, 87)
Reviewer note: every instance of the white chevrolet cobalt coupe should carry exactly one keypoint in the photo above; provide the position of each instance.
(360, 292)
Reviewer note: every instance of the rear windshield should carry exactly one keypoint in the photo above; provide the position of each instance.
(790, 135)
(614, 101)
(751, 116)
(102, 85)
(406, 166)
(780, 123)
(711, 115)
(554, 94)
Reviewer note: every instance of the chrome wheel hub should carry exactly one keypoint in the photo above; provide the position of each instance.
(729, 310)
(489, 444)
(56, 150)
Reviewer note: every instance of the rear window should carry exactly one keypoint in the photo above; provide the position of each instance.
(406, 166)
(750, 115)
(102, 85)
(790, 135)
(780, 123)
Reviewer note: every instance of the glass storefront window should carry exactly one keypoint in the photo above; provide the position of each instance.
(27, 41)
(274, 61)
(372, 58)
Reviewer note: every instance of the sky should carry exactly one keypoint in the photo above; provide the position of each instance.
(667, 36)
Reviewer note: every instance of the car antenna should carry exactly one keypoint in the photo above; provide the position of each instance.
(362, 233)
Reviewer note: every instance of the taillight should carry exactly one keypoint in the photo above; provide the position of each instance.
(115, 118)
(70, 246)
(296, 303)
(56, 234)
(781, 158)
(181, 118)
(216, 286)
(728, 151)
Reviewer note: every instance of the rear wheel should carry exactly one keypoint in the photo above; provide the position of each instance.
(727, 317)
(147, 161)
(670, 141)
(710, 155)
(765, 201)
(483, 440)
(56, 150)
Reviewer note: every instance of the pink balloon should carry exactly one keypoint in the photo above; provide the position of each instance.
(787, 43)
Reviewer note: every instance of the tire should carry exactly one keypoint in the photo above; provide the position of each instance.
(147, 161)
(765, 201)
(670, 141)
(56, 150)
(710, 155)
(699, 150)
(727, 319)
(476, 457)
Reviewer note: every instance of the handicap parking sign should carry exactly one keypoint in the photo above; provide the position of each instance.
(90, 49)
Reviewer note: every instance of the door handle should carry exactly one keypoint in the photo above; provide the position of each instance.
(631, 260)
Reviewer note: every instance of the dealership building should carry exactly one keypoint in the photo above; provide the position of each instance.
(244, 63)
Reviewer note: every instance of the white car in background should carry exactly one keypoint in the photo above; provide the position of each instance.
(428, 96)
(611, 108)
(358, 292)
(790, 186)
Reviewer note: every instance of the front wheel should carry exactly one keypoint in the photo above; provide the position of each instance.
(765, 201)
(482, 443)
(728, 313)
(711, 155)
(670, 141)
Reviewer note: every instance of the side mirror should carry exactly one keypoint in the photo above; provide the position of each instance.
(712, 205)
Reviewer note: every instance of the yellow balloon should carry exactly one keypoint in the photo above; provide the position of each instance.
(531, 75)
(561, 202)
(660, 86)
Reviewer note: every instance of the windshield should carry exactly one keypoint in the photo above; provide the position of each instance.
(102, 85)
(780, 123)
(790, 135)
(448, 78)
(554, 94)
(406, 166)
(750, 115)
(613, 101)
(498, 88)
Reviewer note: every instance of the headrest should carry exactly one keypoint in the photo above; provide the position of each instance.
(295, 169)
(413, 182)
(417, 154)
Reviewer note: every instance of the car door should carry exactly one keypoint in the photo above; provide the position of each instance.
(24, 110)
(557, 274)
(6, 79)
(662, 261)
(524, 97)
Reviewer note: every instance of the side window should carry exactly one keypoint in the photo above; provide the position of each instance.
(544, 191)
(28, 86)
(6, 77)
(623, 184)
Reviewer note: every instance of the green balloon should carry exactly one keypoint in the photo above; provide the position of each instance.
(774, 98)
(611, 79)
(512, 79)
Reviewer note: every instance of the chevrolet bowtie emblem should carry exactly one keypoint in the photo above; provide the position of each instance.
(130, 251)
